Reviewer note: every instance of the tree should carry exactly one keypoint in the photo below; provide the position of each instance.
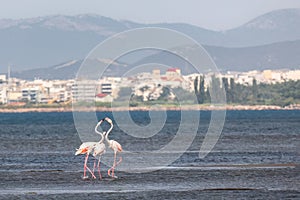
(196, 88)
(201, 91)
(226, 88)
(254, 91)
(216, 90)
(231, 94)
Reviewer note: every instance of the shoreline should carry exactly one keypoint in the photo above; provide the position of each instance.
(148, 108)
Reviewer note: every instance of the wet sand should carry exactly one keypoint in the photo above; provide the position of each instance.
(256, 157)
(247, 182)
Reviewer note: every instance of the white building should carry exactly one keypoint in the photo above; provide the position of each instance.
(292, 75)
(3, 95)
(3, 78)
(32, 95)
(85, 90)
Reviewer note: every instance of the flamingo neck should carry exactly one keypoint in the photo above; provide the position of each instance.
(96, 130)
(106, 137)
(102, 138)
(108, 132)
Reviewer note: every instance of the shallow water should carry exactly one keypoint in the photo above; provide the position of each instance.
(255, 157)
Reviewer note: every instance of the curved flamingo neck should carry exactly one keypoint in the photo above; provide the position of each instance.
(96, 130)
(108, 132)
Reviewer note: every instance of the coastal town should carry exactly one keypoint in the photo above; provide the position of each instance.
(148, 85)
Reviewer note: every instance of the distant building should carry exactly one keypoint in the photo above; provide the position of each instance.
(292, 75)
(156, 73)
(106, 88)
(31, 95)
(85, 90)
(3, 79)
(104, 98)
(59, 91)
(173, 73)
(14, 96)
(272, 76)
(3, 89)
(3, 95)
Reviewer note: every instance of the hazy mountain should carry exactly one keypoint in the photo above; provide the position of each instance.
(62, 71)
(70, 69)
(274, 56)
(46, 41)
(276, 26)
(282, 55)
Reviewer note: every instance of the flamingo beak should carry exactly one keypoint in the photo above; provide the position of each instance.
(80, 151)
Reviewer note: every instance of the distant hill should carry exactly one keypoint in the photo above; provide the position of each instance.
(273, 56)
(275, 26)
(272, 27)
(46, 41)
(282, 55)
(66, 70)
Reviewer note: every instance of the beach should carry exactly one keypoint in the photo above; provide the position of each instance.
(256, 157)
(169, 183)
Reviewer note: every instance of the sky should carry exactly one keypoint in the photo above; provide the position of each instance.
(210, 14)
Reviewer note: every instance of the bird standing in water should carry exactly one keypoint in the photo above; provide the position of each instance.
(116, 147)
(86, 148)
(99, 149)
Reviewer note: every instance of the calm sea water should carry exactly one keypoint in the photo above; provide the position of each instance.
(257, 156)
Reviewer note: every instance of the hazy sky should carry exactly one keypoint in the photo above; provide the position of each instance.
(211, 14)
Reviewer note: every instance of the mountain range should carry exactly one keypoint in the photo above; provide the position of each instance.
(273, 56)
(268, 41)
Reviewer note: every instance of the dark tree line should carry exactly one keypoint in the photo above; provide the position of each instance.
(281, 94)
(202, 95)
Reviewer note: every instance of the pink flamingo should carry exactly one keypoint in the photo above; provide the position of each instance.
(99, 149)
(87, 148)
(115, 146)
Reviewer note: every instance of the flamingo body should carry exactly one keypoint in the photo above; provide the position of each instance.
(116, 147)
(86, 147)
(99, 149)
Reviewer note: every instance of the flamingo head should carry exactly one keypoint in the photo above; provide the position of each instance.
(108, 120)
(81, 151)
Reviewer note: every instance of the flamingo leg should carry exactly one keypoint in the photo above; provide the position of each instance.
(94, 166)
(93, 176)
(98, 166)
(87, 168)
(120, 160)
(84, 167)
(112, 169)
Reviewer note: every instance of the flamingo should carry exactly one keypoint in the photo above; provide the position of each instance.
(87, 148)
(99, 149)
(115, 146)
